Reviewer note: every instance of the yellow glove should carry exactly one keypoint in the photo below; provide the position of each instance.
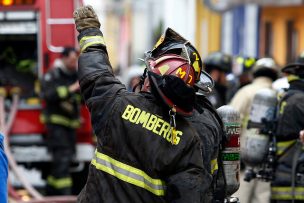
(85, 17)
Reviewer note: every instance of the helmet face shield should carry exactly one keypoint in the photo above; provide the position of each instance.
(205, 83)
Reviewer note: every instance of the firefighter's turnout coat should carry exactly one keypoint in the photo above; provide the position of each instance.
(289, 175)
(62, 107)
(134, 160)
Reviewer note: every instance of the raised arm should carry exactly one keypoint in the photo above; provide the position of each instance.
(99, 87)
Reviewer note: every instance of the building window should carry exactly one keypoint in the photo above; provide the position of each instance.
(292, 41)
(268, 39)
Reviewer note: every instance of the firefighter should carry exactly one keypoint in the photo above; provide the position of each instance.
(264, 73)
(61, 116)
(205, 118)
(246, 64)
(146, 150)
(288, 185)
(218, 65)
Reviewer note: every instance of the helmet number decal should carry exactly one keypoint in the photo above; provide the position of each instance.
(181, 72)
(196, 56)
(196, 64)
(190, 80)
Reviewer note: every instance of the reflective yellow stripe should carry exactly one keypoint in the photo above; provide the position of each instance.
(285, 193)
(62, 91)
(214, 165)
(59, 183)
(3, 92)
(77, 97)
(292, 77)
(60, 120)
(87, 41)
(282, 146)
(282, 107)
(128, 174)
(245, 121)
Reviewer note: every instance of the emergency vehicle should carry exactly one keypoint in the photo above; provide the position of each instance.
(32, 34)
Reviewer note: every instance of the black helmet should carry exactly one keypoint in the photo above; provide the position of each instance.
(296, 68)
(173, 43)
(218, 60)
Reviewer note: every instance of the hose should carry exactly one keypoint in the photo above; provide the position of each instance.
(61, 199)
(6, 127)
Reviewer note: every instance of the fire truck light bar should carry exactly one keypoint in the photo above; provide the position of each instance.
(16, 2)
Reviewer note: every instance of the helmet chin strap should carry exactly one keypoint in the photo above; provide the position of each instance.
(141, 81)
(144, 75)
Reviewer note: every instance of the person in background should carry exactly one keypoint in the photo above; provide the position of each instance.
(265, 71)
(218, 65)
(3, 171)
(61, 115)
(246, 64)
(133, 76)
(288, 183)
(146, 151)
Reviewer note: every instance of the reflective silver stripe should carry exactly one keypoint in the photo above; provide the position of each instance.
(128, 173)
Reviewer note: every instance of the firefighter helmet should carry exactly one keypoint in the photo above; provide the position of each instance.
(173, 43)
(265, 63)
(218, 60)
(172, 79)
(266, 67)
(296, 68)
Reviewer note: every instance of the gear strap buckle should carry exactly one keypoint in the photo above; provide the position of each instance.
(172, 114)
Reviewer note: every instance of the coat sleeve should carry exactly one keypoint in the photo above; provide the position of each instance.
(98, 85)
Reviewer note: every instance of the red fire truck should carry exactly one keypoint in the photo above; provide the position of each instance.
(32, 34)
